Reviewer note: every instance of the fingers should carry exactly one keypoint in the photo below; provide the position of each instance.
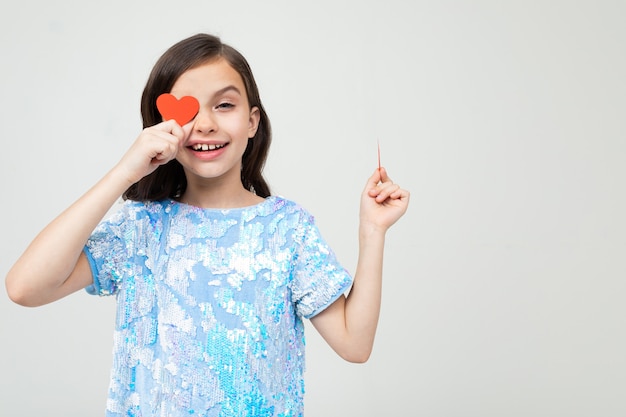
(382, 202)
(155, 145)
(163, 141)
(379, 175)
(383, 174)
(385, 191)
(169, 127)
(175, 129)
(381, 187)
(378, 181)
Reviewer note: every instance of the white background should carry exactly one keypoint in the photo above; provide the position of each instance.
(504, 282)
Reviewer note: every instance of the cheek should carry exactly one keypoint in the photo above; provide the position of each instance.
(237, 126)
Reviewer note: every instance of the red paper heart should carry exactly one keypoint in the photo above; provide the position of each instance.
(182, 110)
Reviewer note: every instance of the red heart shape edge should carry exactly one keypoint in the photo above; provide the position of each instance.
(182, 111)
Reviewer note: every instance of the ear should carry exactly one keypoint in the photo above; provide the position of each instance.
(253, 121)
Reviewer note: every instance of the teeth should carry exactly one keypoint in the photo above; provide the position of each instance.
(206, 147)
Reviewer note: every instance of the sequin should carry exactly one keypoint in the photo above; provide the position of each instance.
(210, 306)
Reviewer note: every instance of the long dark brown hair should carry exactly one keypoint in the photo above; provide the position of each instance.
(169, 181)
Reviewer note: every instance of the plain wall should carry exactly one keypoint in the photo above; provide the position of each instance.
(504, 282)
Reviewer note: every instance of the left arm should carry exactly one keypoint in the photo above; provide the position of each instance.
(349, 324)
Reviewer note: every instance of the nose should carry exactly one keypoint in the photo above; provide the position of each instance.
(204, 122)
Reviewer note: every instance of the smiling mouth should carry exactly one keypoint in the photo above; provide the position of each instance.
(205, 147)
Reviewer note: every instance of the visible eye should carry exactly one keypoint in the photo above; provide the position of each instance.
(225, 105)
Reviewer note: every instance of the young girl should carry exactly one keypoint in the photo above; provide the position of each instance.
(212, 274)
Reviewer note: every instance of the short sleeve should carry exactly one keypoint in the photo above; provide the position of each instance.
(106, 252)
(318, 278)
(119, 247)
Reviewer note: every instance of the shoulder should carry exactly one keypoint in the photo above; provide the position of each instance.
(144, 207)
(281, 205)
(132, 211)
(290, 215)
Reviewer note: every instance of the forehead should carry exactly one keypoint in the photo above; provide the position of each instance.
(208, 77)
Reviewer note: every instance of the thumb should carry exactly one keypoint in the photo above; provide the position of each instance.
(374, 179)
(173, 128)
(384, 177)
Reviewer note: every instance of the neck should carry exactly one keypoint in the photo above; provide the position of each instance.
(217, 194)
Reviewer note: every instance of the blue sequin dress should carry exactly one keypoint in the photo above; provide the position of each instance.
(210, 306)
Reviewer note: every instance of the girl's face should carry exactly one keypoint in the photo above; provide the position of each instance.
(218, 136)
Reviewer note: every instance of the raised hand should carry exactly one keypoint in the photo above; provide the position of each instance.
(156, 145)
(54, 265)
(349, 324)
(382, 201)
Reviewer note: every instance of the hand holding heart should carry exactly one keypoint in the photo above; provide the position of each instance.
(158, 144)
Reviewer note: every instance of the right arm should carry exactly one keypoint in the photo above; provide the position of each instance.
(54, 264)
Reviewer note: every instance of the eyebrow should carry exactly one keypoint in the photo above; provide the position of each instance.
(227, 89)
